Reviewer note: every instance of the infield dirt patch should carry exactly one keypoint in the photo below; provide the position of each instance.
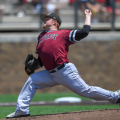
(111, 114)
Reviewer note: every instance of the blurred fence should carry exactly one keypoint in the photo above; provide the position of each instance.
(17, 16)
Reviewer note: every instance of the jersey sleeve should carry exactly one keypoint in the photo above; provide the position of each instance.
(67, 36)
(77, 35)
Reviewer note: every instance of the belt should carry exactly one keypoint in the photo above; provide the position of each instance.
(59, 67)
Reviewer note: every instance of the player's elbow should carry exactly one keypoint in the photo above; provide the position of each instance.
(85, 34)
(81, 34)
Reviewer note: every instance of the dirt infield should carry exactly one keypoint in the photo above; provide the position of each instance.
(111, 114)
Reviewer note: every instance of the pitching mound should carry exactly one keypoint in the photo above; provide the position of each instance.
(112, 114)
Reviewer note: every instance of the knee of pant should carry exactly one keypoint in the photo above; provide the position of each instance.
(32, 77)
(85, 92)
(34, 81)
(29, 80)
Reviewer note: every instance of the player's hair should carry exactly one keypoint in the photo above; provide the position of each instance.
(57, 24)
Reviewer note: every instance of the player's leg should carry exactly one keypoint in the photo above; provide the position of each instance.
(36, 81)
(69, 77)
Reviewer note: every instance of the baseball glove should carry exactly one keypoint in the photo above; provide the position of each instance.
(31, 64)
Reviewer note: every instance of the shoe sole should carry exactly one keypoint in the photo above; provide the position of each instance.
(19, 116)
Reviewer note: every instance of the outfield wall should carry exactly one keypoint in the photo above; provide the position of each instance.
(98, 62)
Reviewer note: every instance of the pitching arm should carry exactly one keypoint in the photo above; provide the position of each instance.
(77, 35)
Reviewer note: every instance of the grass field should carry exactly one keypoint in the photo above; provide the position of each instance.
(39, 110)
(39, 97)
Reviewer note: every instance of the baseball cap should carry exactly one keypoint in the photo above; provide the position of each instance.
(51, 15)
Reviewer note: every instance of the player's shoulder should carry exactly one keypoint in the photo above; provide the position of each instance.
(64, 31)
(41, 34)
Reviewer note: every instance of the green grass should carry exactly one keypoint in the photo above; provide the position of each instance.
(40, 110)
(61, 109)
(38, 97)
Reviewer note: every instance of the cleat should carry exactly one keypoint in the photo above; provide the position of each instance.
(118, 101)
(16, 114)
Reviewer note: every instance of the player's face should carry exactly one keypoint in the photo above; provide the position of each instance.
(48, 23)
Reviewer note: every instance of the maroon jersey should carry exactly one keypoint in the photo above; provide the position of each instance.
(53, 47)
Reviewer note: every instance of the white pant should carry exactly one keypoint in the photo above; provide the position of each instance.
(68, 77)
